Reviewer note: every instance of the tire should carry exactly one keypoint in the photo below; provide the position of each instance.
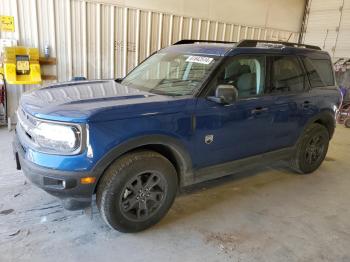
(347, 123)
(136, 191)
(311, 149)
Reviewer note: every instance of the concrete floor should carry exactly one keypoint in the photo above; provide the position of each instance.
(269, 214)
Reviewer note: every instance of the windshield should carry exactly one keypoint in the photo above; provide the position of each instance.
(172, 74)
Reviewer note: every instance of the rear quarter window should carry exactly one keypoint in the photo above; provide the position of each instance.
(320, 72)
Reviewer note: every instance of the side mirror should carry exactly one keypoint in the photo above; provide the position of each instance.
(224, 94)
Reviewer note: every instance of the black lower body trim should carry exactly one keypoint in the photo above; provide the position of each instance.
(229, 168)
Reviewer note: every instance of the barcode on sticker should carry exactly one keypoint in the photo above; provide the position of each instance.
(199, 59)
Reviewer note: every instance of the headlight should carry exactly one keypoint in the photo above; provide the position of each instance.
(57, 138)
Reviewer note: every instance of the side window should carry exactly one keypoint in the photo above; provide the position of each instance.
(287, 75)
(247, 74)
(320, 72)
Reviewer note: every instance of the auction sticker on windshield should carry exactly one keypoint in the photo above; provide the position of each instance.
(199, 59)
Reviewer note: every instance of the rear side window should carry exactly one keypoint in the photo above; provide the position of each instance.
(319, 71)
(287, 75)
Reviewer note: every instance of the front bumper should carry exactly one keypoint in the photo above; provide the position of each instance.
(62, 184)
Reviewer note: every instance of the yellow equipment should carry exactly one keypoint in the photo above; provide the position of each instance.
(21, 65)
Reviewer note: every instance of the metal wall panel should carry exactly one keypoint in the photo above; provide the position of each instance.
(343, 42)
(99, 40)
(328, 25)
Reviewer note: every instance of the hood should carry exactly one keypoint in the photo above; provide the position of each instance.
(95, 101)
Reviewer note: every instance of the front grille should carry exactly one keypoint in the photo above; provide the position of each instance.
(26, 123)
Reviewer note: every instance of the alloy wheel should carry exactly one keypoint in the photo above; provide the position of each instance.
(143, 195)
(314, 149)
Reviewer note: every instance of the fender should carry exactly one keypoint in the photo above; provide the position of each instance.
(325, 117)
(177, 149)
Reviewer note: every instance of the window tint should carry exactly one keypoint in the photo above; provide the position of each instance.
(287, 75)
(319, 71)
(247, 74)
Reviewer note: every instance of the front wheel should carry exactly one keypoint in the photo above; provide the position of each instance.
(311, 149)
(136, 191)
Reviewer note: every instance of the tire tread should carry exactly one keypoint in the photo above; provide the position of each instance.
(111, 174)
(295, 161)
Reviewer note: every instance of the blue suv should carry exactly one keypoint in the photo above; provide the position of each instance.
(191, 112)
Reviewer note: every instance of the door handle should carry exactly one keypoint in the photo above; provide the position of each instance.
(306, 104)
(259, 110)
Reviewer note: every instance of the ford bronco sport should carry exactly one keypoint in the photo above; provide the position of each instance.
(191, 112)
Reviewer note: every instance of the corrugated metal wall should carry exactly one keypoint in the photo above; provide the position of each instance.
(328, 25)
(106, 41)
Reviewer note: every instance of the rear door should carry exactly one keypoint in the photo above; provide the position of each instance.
(292, 102)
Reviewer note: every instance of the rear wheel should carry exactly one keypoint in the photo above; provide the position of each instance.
(136, 191)
(347, 123)
(311, 149)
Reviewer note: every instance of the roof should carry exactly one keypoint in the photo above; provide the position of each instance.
(221, 48)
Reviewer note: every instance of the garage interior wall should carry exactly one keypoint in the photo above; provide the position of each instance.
(106, 39)
(279, 14)
(328, 26)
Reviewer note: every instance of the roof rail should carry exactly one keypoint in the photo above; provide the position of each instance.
(254, 43)
(190, 41)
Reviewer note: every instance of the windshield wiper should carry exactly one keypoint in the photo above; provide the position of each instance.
(165, 93)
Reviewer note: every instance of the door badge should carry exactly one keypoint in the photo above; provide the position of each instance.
(209, 139)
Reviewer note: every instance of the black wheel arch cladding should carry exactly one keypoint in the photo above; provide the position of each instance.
(167, 146)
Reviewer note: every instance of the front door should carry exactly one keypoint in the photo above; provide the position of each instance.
(229, 132)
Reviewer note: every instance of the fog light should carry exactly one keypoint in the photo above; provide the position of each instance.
(87, 180)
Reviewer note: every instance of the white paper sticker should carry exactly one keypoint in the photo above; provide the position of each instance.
(199, 59)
